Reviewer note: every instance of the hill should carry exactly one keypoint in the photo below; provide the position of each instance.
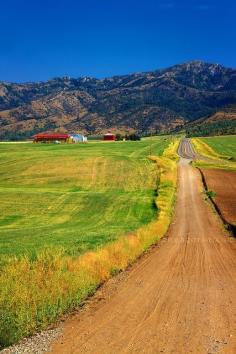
(218, 123)
(145, 102)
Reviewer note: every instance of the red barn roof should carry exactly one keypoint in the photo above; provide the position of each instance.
(51, 136)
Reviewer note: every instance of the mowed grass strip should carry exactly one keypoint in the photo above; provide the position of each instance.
(74, 196)
(221, 150)
(223, 145)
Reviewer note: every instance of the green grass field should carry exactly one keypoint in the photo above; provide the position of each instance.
(59, 201)
(224, 145)
(74, 196)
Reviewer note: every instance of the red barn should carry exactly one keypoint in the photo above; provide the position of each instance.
(109, 137)
(51, 138)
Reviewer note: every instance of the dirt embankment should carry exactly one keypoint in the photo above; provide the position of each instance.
(180, 298)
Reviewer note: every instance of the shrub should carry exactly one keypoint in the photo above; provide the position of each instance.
(210, 194)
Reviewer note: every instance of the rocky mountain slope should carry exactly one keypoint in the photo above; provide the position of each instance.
(144, 102)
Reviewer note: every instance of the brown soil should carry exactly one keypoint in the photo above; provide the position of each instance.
(179, 298)
(223, 183)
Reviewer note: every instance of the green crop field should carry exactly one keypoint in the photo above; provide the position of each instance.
(224, 145)
(74, 196)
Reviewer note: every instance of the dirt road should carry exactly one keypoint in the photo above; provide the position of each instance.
(180, 298)
(186, 150)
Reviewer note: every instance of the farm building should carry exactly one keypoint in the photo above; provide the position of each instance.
(59, 138)
(109, 137)
(78, 138)
(51, 138)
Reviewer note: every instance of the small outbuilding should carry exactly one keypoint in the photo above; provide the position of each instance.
(78, 138)
(109, 137)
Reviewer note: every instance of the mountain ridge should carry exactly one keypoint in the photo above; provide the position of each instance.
(153, 101)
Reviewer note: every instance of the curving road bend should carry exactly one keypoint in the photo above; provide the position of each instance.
(179, 298)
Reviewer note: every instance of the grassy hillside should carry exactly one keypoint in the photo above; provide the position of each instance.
(223, 127)
(223, 122)
(75, 196)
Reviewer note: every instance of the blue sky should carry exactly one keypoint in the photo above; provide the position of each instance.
(41, 39)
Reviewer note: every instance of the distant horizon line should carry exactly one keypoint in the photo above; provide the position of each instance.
(112, 76)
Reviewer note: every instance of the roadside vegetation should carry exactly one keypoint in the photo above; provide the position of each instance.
(72, 216)
(210, 194)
